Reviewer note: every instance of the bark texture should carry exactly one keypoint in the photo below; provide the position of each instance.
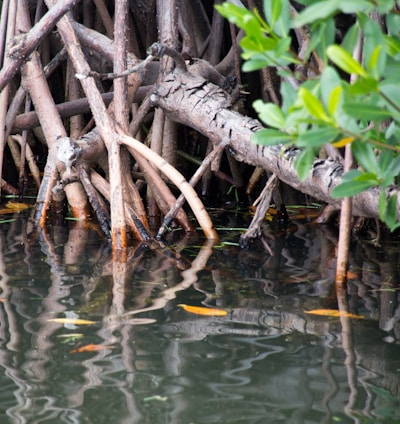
(196, 102)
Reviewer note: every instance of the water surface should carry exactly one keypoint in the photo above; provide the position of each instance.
(266, 361)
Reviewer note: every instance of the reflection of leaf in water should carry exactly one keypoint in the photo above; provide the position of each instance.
(74, 321)
(296, 212)
(70, 337)
(5, 221)
(156, 397)
(141, 321)
(199, 310)
(333, 313)
(352, 275)
(91, 348)
(388, 404)
(12, 207)
(97, 303)
(385, 289)
(383, 393)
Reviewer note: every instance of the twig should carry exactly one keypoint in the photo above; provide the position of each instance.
(265, 197)
(113, 75)
(193, 181)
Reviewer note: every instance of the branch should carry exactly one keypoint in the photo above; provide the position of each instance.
(25, 44)
(194, 102)
(178, 179)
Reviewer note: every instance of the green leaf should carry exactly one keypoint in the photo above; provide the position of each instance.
(392, 46)
(393, 24)
(317, 137)
(389, 165)
(392, 170)
(368, 177)
(282, 46)
(374, 48)
(365, 155)
(306, 2)
(277, 13)
(386, 157)
(239, 16)
(391, 215)
(270, 114)
(366, 112)
(351, 175)
(392, 134)
(351, 124)
(382, 205)
(325, 37)
(391, 93)
(254, 65)
(271, 137)
(355, 175)
(345, 61)
(262, 22)
(350, 188)
(289, 96)
(257, 45)
(353, 183)
(363, 86)
(388, 211)
(376, 62)
(295, 121)
(385, 6)
(272, 10)
(313, 105)
(304, 162)
(335, 100)
(318, 10)
(351, 38)
(330, 89)
(355, 6)
(392, 69)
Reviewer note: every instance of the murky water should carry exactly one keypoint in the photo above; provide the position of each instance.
(145, 359)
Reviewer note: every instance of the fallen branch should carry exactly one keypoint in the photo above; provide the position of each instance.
(192, 101)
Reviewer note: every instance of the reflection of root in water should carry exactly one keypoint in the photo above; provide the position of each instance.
(189, 278)
(237, 377)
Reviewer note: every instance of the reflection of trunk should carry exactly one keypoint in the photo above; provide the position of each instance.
(193, 101)
(255, 322)
(261, 321)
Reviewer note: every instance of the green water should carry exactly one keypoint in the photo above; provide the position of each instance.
(266, 361)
